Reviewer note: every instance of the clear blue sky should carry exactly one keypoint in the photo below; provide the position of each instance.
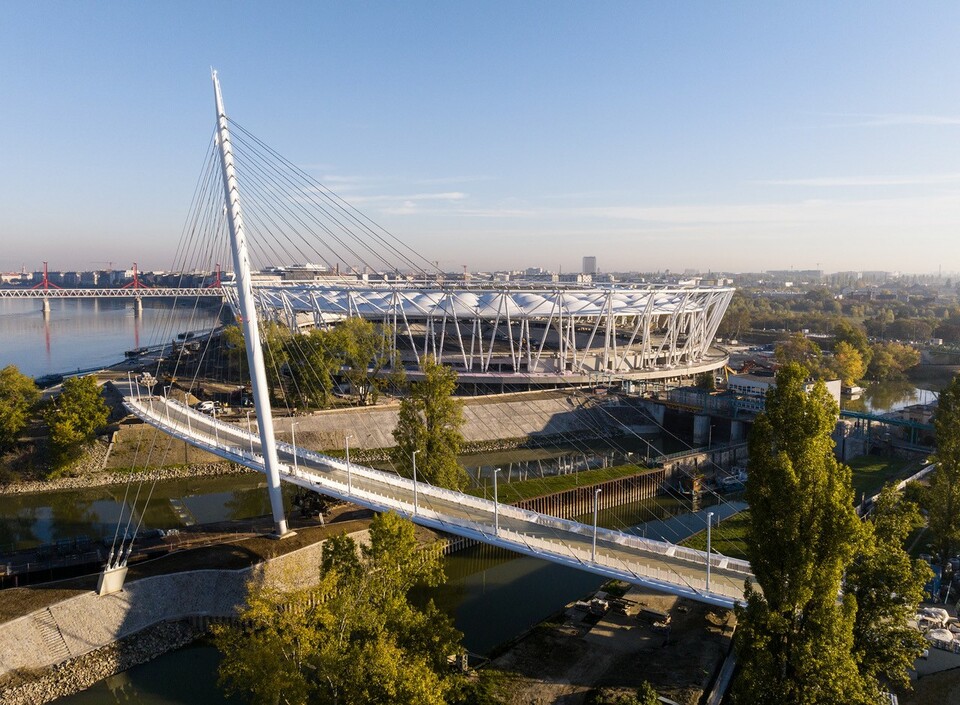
(710, 135)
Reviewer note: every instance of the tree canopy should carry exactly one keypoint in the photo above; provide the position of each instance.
(805, 637)
(18, 397)
(942, 498)
(354, 639)
(76, 414)
(429, 423)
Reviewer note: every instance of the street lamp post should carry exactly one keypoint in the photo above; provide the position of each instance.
(166, 400)
(496, 505)
(415, 505)
(293, 442)
(596, 508)
(349, 479)
(250, 433)
(709, 524)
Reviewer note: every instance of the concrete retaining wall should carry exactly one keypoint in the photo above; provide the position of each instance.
(81, 624)
(509, 416)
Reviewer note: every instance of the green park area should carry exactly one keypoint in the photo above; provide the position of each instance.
(513, 492)
(870, 474)
(729, 537)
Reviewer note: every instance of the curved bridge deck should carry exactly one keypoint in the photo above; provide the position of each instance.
(658, 565)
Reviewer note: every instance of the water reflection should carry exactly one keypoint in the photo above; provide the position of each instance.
(187, 676)
(881, 397)
(84, 333)
(29, 520)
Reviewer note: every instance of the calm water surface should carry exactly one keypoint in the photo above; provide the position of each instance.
(86, 333)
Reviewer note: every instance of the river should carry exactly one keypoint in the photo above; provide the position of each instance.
(88, 333)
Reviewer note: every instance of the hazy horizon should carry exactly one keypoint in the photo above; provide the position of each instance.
(739, 137)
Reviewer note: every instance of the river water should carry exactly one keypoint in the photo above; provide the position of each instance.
(88, 333)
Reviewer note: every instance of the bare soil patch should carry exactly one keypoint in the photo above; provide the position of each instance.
(564, 661)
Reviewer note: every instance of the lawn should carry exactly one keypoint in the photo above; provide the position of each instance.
(872, 472)
(728, 537)
(512, 492)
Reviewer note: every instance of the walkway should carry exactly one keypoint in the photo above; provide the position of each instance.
(654, 564)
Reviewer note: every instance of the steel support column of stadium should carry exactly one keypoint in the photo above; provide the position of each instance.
(241, 265)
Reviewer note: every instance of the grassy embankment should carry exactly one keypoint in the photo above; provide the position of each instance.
(870, 474)
(512, 492)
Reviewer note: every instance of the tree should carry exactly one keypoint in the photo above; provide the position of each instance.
(848, 363)
(795, 639)
(365, 351)
(887, 586)
(847, 332)
(355, 638)
(799, 349)
(18, 397)
(942, 497)
(429, 422)
(232, 339)
(313, 362)
(890, 360)
(75, 415)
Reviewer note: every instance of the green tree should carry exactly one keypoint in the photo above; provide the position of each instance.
(847, 332)
(312, 365)
(887, 586)
(799, 349)
(18, 397)
(236, 353)
(354, 639)
(942, 497)
(75, 415)
(795, 639)
(848, 363)
(890, 360)
(429, 422)
(365, 350)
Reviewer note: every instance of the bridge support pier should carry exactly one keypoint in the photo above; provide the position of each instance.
(701, 429)
(138, 306)
(45, 307)
(736, 431)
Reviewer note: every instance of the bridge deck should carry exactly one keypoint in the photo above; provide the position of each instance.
(656, 564)
(108, 293)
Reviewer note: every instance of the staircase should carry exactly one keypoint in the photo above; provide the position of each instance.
(46, 624)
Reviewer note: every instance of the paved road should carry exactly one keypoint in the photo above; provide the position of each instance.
(655, 564)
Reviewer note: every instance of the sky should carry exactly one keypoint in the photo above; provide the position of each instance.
(715, 136)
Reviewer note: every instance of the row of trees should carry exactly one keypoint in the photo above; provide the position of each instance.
(918, 318)
(829, 623)
(303, 368)
(72, 417)
(853, 357)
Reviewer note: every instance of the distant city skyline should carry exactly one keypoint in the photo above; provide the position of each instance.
(735, 137)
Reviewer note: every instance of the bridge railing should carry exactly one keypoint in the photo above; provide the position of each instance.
(553, 545)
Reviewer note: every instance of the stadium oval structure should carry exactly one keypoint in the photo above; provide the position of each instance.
(524, 335)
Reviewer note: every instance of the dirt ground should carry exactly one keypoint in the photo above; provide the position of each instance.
(562, 662)
(941, 688)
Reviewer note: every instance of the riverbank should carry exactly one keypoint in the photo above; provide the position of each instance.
(55, 642)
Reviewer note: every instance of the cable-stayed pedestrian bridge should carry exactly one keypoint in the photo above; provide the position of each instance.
(658, 565)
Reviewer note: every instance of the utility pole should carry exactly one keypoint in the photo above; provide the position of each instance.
(248, 312)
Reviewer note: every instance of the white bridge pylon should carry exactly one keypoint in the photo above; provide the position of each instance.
(659, 565)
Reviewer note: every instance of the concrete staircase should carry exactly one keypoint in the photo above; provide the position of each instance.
(46, 624)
